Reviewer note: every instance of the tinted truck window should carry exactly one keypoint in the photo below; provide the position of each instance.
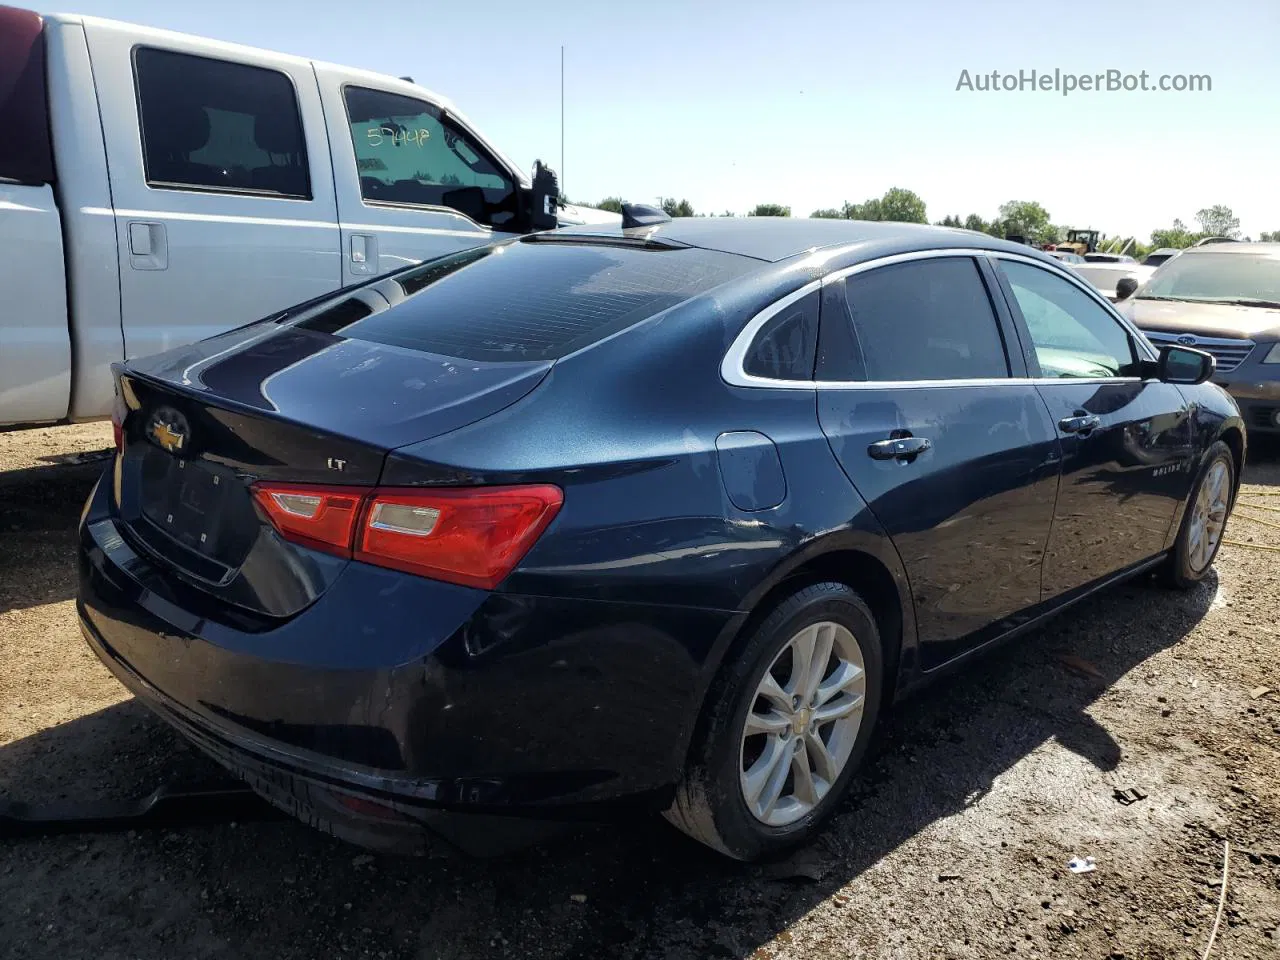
(26, 155)
(538, 300)
(926, 320)
(214, 125)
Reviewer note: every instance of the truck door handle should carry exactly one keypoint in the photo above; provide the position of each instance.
(148, 245)
(1080, 423)
(905, 449)
(362, 255)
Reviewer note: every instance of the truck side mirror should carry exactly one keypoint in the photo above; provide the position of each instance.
(1125, 287)
(543, 198)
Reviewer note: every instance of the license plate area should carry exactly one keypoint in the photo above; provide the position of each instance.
(203, 508)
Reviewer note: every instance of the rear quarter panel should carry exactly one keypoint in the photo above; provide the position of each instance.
(628, 429)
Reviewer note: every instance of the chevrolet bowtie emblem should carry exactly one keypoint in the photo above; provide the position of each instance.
(168, 428)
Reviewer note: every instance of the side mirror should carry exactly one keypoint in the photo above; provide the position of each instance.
(1184, 365)
(1126, 287)
(543, 198)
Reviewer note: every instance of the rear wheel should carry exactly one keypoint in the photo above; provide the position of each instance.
(787, 724)
(1204, 521)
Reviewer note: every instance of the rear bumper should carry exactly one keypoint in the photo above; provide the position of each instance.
(394, 698)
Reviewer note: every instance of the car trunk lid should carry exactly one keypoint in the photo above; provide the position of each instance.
(285, 405)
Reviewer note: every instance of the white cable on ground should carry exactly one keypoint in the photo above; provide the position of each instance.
(1222, 899)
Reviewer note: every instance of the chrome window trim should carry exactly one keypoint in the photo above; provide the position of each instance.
(732, 367)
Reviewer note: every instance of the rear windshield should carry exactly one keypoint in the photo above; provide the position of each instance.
(538, 300)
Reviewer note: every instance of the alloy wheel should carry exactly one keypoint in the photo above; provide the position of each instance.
(802, 723)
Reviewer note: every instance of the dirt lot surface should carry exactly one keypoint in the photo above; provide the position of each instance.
(954, 844)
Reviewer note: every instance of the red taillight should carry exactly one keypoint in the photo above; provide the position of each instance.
(320, 517)
(471, 536)
(474, 536)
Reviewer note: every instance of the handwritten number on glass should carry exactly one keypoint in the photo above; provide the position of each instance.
(396, 135)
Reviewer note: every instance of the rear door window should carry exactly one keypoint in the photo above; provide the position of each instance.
(219, 126)
(538, 300)
(409, 152)
(925, 320)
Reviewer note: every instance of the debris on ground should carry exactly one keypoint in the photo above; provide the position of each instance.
(802, 865)
(1257, 693)
(1087, 865)
(1080, 666)
(1128, 795)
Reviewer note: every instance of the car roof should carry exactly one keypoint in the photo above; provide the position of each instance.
(779, 238)
(1237, 246)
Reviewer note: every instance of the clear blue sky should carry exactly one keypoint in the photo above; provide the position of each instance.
(734, 103)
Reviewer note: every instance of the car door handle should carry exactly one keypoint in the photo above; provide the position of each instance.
(899, 448)
(1080, 424)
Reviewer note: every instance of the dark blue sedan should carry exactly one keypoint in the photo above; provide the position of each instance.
(646, 518)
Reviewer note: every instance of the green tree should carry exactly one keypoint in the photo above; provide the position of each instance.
(950, 220)
(1025, 218)
(676, 208)
(830, 213)
(612, 204)
(1272, 237)
(867, 210)
(1177, 236)
(770, 210)
(902, 206)
(1218, 221)
(975, 223)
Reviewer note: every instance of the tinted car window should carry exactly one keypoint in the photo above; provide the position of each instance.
(408, 151)
(213, 125)
(1072, 334)
(535, 300)
(926, 320)
(784, 347)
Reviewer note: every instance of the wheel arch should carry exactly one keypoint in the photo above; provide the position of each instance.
(1232, 434)
(864, 562)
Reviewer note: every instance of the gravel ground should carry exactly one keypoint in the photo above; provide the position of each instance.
(954, 844)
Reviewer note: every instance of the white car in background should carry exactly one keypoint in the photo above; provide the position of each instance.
(1160, 255)
(1105, 274)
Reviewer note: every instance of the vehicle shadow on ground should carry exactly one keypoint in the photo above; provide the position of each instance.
(1263, 464)
(648, 891)
(39, 508)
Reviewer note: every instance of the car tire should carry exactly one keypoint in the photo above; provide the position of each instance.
(711, 803)
(1188, 562)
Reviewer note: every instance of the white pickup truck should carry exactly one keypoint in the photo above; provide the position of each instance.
(157, 188)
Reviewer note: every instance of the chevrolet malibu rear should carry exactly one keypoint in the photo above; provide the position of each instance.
(644, 518)
(373, 554)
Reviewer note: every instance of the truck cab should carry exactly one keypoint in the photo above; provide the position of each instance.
(161, 188)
